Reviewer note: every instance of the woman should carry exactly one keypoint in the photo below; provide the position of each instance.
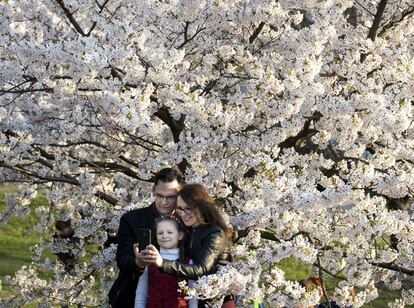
(209, 240)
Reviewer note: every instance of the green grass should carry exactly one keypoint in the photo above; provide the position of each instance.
(16, 237)
(385, 296)
(294, 269)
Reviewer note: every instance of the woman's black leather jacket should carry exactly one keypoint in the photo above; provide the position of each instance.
(208, 243)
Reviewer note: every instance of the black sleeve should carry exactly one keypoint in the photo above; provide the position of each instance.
(125, 257)
(212, 247)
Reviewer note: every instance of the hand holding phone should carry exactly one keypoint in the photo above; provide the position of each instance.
(143, 238)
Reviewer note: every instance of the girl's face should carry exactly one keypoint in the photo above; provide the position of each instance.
(191, 217)
(168, 235)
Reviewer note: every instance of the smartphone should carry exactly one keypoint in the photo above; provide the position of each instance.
(143, 238)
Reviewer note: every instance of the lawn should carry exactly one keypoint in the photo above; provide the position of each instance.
(15, 238)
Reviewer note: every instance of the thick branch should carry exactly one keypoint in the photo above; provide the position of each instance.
(73, 21)
(175, 126)
(394, 267)
(106, 197)
(256, 32)
(304, 134)
(377, 20)
(372, 34)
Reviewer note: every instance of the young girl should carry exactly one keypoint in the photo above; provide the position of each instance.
(158, 289)
(209, 241)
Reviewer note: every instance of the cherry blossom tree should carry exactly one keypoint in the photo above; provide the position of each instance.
(297, 115)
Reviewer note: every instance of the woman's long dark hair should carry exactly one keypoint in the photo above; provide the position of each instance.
(196, 196)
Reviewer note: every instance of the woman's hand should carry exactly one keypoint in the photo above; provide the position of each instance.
(155, 256)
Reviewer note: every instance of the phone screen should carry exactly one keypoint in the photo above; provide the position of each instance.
(143, 238)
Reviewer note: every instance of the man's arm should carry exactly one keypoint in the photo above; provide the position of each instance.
(125, 256)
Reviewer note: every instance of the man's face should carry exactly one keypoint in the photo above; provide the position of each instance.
(166, 196)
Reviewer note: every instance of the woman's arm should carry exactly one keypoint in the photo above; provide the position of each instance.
(141, 295)
(212, 247)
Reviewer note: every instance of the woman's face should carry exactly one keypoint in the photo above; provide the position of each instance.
(191, 217)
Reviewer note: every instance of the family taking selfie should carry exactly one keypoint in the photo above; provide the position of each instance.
(180, 236)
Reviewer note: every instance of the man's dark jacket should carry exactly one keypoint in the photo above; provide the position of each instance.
(122, 293)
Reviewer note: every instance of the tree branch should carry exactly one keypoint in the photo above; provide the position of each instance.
(176, 127)
(101, 6)
(28, 90)
(405, 14)
(63, 179)
(394, 267)
(73, 21)
(112, 167)
(256, 32)
(372, 34)
(377, 20)
(304, 134)
(189, 39)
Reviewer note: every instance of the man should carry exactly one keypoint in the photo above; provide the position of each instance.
(167, 183)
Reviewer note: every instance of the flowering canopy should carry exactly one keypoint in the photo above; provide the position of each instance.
(296, 114)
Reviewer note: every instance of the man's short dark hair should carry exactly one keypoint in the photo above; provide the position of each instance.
(168, 175)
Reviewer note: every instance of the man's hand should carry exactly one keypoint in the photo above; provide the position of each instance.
(149, 255)
(154, 255)
(140, 257)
